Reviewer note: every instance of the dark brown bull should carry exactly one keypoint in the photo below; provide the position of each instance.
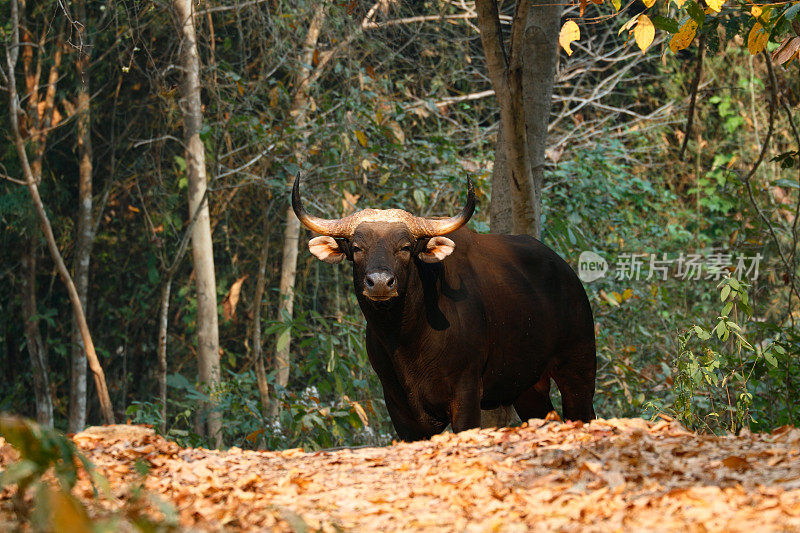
(465, 322)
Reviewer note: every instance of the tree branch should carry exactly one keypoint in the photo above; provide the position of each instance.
(701, 50)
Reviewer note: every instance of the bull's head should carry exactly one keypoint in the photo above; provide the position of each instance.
(381, 243)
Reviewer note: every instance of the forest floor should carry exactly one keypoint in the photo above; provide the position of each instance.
(619, 474)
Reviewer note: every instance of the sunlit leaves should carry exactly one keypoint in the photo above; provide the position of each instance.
(362, 138)
(644, 33)
(569, 32)
(715, 5)
(757, 39)
(684, 37)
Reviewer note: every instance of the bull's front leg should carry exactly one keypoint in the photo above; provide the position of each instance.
(465, 409)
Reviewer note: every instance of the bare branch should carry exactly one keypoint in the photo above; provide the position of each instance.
(237, 7)
(701, 51)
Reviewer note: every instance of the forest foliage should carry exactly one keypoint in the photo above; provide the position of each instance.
(399, 111)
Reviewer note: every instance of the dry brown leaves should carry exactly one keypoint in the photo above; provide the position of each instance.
(619, 474)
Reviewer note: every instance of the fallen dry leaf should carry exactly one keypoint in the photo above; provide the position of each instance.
(617, 474)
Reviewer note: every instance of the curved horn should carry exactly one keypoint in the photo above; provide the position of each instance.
(333, 227)
(431, 227)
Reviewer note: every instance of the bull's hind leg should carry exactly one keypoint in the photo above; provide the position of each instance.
(575, 378)
(535, 402)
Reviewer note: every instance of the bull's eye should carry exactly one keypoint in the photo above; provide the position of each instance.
(356, 248)
(406, 248)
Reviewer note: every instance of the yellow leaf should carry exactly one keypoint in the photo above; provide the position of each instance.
(274, 95)
(684, 37)
(361, 413)
(757, 40)
(617, 296)
(628, 25)
(649, 3)
(66, 513)
(569, 32)
(755, 11)
(680, 3)
(645, 32)
(627, 294)
(715, 5)
(232, 299)
(362, 138)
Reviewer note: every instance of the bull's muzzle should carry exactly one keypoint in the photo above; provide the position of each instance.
(380, 286)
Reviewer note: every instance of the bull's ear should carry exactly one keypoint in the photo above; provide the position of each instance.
(437, 249)
(326, 249)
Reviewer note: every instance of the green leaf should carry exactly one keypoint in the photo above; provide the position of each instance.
(792, 12)
(770, 358)
(696, 12)
(726, 291)
(283, 339)
(664, 23)
(419, 198)
(727, 309)
(783, 182)
(18, 471)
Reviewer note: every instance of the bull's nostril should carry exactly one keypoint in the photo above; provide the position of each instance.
(370, 283)
(390, 282)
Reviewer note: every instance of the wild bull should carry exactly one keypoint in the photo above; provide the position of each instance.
(462, 322)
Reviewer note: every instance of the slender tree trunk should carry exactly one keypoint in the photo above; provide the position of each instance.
(85, 236)
(163, 320)
(540, 51)
(202, 246)
(291, 235)
(33, 338)
(258, 350)
(15, 111)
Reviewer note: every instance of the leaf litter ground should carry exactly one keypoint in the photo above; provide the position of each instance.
(618, 474)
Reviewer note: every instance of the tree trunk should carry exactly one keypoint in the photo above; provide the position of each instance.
(258, 350)
(291, 234)
(505, 72)
(523, 82)
(163, 320)
(33, 338)
(85, 236)
(202, 246)
(500, 217)
(540, 53)
(14, 112)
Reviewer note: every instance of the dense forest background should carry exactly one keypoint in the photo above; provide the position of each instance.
(385, 104)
